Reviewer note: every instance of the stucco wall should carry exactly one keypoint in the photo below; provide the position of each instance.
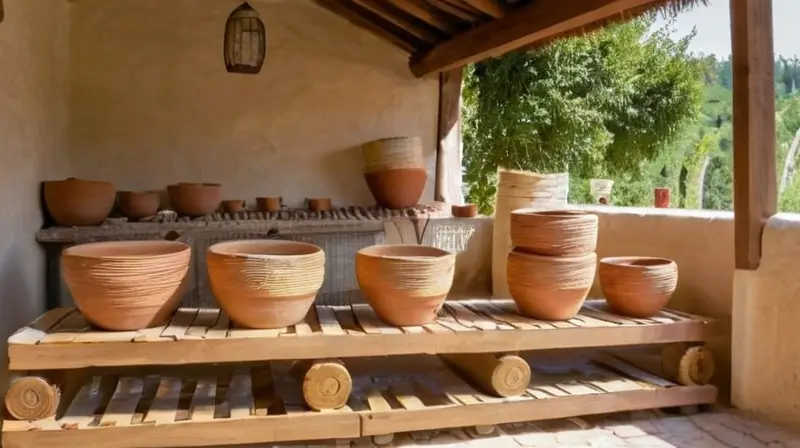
(34, 39)
(152, 104)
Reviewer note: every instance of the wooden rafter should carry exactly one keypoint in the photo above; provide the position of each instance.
(409, 25)
(420, 10)
(373, 23)
(489, 7)
(537, 21)
(454, 11)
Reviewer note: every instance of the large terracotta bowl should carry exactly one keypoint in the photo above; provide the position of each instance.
(406, 285)
(398, 188)
(127, 285)
(78, 202)
(265, 283)
(554, 232)
(138, 204)
(194, 200)
(638, 286)
(550, 288)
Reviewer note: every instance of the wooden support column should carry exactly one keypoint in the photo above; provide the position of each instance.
(754, 171)
(449, 130)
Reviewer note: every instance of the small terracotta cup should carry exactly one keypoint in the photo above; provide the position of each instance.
(662, 197)
(269, 203)
(233, 205)
(319, 204)
(465, 211)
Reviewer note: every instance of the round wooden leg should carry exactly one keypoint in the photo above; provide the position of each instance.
(383, 439)
(326, 384)
(31, 398)
(503, 375)
(689, 366)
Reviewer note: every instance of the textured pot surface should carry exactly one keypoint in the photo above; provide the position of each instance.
(406, 285)
(395, 189)
(554, 232)
(78, 202)
(188, 199)
(138, 204)
(550, 288)
(265, 283)
(393, 153)
(127, 285)
(465, 211)
(638, 286)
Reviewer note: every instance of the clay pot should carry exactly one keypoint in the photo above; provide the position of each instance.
(395, 189)
(319, 204)
(78, 202)
(127, 285)
(194, 200)
(554, 232)
(638, 286)
(406, 285)
(661, 197)
(269, 204)
(550, 288)
(233, 206)
(265, 283)
(465, 211)
(137, 204)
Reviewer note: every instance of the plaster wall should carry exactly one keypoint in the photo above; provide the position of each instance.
(34, 43)
(152, 104)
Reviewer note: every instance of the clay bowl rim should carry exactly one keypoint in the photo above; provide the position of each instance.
(568, 214)
(80, 250)
(635, 263)
(75, 179)
(195, 185)
(228, 249)
(435, 252)
(234, 201)
(139, 193)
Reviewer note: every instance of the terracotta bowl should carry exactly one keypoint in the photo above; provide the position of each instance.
(233, 206)
(550, 288)
(554, 232)
(638, 286)
(127, 285)
(265, 283)
(195, 200)
(319, 204)
(138, 204)
(269, 204)
(406, 285)
(465, 211)
(78, 202)
(395, 189)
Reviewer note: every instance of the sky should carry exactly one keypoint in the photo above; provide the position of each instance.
(714, 28)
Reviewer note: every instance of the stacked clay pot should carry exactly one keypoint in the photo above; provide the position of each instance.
(127, 285)
(637, 286)
(265, 283)
(394, 169)
(406, 285)
(552, 266)
(78, 202)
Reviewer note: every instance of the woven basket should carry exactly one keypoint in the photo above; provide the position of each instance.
(392, 154)
(265, 283)
(554, 232)
(520, 190)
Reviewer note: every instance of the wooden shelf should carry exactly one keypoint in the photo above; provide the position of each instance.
(255, 404)
(62, 339)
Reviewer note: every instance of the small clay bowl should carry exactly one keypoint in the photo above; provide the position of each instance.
(269, 204)
(138, 204)
(638, 286)
(193, 199)
(233, 205)
(319, 204)
(465, 211)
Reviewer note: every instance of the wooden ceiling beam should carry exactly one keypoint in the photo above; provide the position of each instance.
(381, 10)
(539, 20)
(420, 10)
(373, 24)
(489, 7)
(454, 11)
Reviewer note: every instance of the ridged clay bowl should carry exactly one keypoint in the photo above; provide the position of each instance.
(406, 285)
(78, 202)
(638, 286)
(193, 199)
(265, 283)
(554, 232)
(550, 288)
(127, 285)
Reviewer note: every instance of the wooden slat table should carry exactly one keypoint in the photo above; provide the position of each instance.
(62, 339)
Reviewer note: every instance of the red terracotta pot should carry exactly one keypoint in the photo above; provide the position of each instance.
(662, 197)
(195, 200)
(319, 204)
(269, 204)
(465, 211)
(395, 189)
(233, 206)
(77, 202)
(638, 286)
(137, 204)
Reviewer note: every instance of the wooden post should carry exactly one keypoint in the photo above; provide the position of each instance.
(754, 173)
(449, 132)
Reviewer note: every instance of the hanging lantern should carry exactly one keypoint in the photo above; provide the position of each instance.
(245, 41)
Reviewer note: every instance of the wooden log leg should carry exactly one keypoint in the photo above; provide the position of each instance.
(383, 439)
(686, 364)
(499, 375)
(32, 397)
(481, 430)
(326, 384)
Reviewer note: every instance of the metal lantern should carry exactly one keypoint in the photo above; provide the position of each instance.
(245, 41)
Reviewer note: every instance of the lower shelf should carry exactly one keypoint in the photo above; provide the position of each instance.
(261, 404)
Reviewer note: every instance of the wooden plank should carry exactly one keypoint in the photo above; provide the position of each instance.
(81, 411)
(327, 321)
(535, 22)
(180, 324)
(66, 330)
(221, 327)
(165, 404)
(422, 11)
(631, 371)
(373, 23)
(203, 399)
(410, 26)
(755, 197)
(123, 403)
(203, 322)
(370, 322)
(37, 330)
(466, 316)
(490, 7)
(240, 394)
